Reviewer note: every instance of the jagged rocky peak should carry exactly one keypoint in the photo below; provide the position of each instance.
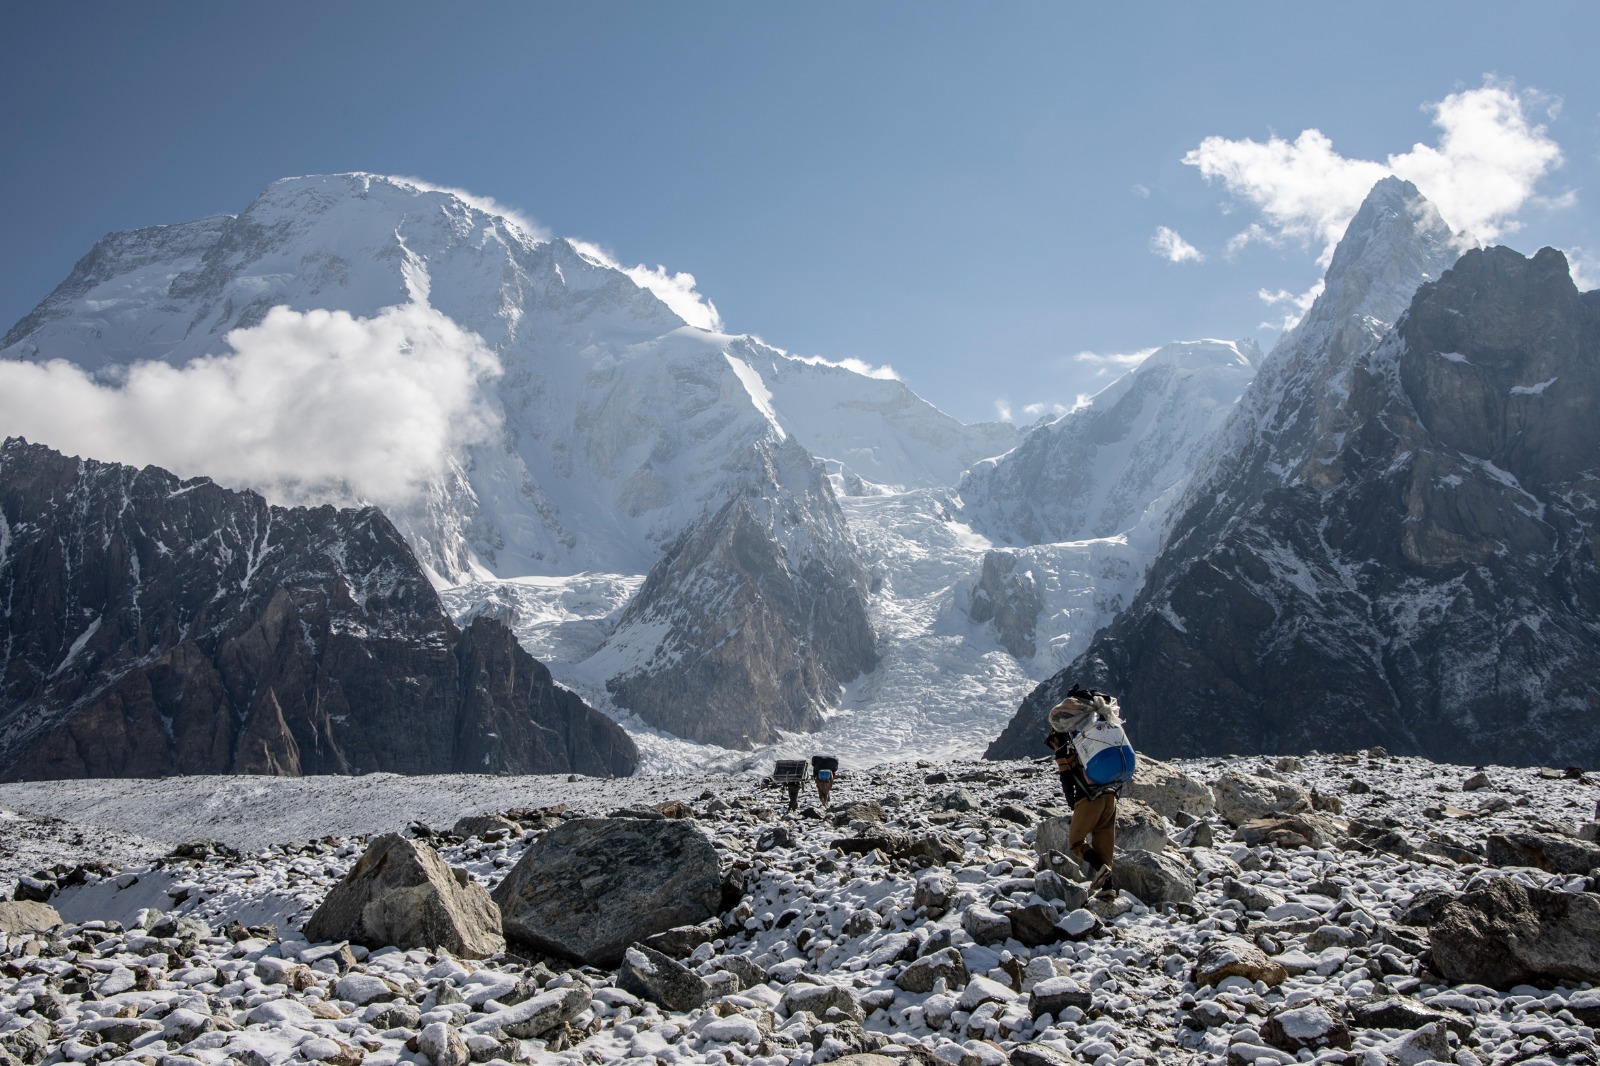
(1007, 594)
(752, 621)
(1097, 471)
(156, 626)
(1433, 588)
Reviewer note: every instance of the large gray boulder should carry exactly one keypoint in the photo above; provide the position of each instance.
(648, 973)
(1245, 798)
(1168, 789)
(401, 893)
(1544, 851)
(24, 916)
(1140, 827)
(592, 886)
(1506, 934)
(1154, 877)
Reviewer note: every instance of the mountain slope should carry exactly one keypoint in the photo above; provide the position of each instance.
(155, 626)
(1402, 551)
(1095, 471)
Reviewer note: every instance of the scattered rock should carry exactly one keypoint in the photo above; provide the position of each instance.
(828, 1002)
(651, 975)
(1505, 933)
(27, 916)
(1168, 790)
(1403, 1012)
(402, 893)
(1242, 798)
(946, 965)
(1543, 851)
(442, 1045)
(1154, 878)
(1140, 827)
(1232, 957)
(1055, 994)
(592, 886)
(1307, 1027)
(985, 926)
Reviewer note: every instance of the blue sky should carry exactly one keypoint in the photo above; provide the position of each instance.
(972, 194)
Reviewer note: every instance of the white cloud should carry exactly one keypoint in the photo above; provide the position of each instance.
(487, 205)
(1119, 359)
(1003, 410)
(677, 292)
(1173, 248)
(1585, 268)
(306, 407)
(1299, 303)
(855, 366)
(1142, 191)
(1032, 412)
(1488, 159)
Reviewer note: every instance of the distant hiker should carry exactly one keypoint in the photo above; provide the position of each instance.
(1095, 760)
(825, 768)
(790, 773)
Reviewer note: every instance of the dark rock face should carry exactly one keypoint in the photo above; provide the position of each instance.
(157, 626)
(593, 886)
(1401, 552)
(756, 615)
(1009, 599)
(1506, 934)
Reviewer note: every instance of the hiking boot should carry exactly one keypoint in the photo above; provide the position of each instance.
(1099, 881)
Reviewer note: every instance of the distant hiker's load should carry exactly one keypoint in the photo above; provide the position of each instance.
(1093, 722)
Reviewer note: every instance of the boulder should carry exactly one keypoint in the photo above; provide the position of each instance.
(920, 976)
(401, 893)
(1039, 1055)
(1051, 836)
(1056, 994)
(986, 926)
(1402, 1012)
(592, 886)
(1035, 926)
(1154, 877)
(1505, 933)
(651, 975)
(1304, 830)
(533, 1017)
(1168, 790)
(442, 1045)
(680, 941)
(1051, 885)
(485, 827)
(828, 1002)
(1310, 1026)
(26, 916)
(1244, 798)
(1140, 827)
(1543, 851)
(1232, 957)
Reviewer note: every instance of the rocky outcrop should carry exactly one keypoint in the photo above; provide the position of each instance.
(1010, 600)
(1400, 547)
(593, 886)
(157, 626)
(402, 894)
(753, 620)
(1505, 933)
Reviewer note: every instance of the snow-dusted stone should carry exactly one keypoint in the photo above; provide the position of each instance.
(933, 892)
(442, 1045)
(184, 1025)
(1254, 897)
(484, 826)
(122, 1031)
(827, 1002)
(396, 1014)
(985, 926)
(1431, 1043)
(28, 1044)
(1233, 957)
(1403, 1012)
(680, 941)
(1475, 782)
(1154, 878)
(649, 974)
(363, 988)
(1055, 994)
(1244, 798)
(1544, 851)
(27, 916)
(923, 973)
(1035, 926)
(1052, 835)
(749, 972)
(1506, 934)
(1140, 827)
(1051, 885)
(1311, 1025)
(533, 1018)
(982, 990)
(402, 893)
(1304, 830)
(1168, 790)
(592, 886)
(1081, 924)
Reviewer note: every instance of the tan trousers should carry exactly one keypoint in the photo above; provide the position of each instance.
(1094, 828)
